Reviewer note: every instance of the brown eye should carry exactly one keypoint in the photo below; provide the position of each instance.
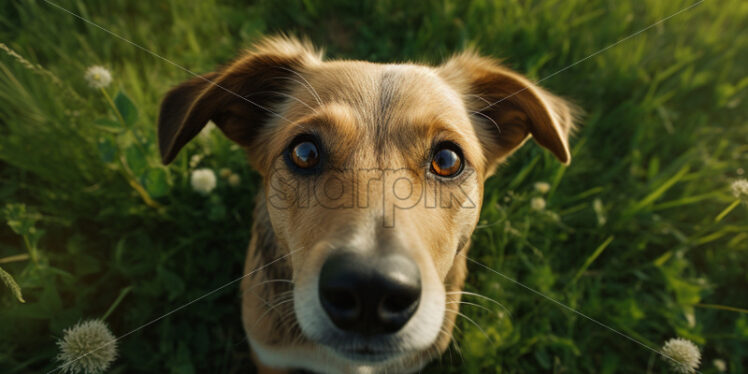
(305, 154)
(446, 162)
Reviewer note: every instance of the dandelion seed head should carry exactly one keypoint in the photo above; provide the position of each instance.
(203, 180)
(537, 203)
(684, 356)
(88, 347)
(740, 189)
(98, 77)
(542, 187)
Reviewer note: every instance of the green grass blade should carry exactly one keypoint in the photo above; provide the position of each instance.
(590, 259)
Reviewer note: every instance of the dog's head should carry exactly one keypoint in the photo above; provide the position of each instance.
(373, 178)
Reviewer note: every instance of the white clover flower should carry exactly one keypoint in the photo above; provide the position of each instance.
(224, 173)
(542, 187)
(98, 77)
(234, 180)
(537, 203)
(207, 130)
(203, 180)
(684, 356)
(720, 365)
(195, 160)
(740, 189)
(88, 347)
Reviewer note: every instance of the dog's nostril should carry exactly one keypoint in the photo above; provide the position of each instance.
(341, 299)
(398, 303)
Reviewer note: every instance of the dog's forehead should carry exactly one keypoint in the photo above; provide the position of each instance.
(381, 88)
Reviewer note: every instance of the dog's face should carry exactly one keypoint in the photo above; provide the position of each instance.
(391, 195)
(373, 178)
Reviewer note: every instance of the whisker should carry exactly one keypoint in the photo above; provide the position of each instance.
(455, 327)
(264, 301)
(271, 309)
(287, 317)
(458, 348)
(435, 350)
(454, 341)
(277, 296)
(283, 301)
(471, 304)
(451, 356)
(432, 351)
(307, 85)
(474, 323)
(453, 346)
(468, 293)
(449, 346)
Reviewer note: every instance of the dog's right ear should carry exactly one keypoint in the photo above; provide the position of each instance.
(238, 98)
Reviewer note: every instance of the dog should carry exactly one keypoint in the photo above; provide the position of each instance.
(372, 185)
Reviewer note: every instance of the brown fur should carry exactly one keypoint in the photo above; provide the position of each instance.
(368, 117)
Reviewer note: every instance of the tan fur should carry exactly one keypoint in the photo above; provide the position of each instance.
(369, 117)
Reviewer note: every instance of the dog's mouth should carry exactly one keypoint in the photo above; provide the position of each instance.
(367, 354)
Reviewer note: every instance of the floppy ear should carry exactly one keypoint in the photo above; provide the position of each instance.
(238, 98)
(508, 109)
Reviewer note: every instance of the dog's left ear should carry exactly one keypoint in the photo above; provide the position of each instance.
(508, 109)
(239, 98)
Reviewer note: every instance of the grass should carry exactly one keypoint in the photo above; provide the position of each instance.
(641, 232)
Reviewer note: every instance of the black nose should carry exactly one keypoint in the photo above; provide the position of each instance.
(369, 295)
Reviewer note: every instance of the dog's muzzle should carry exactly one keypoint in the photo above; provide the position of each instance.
(369, 295)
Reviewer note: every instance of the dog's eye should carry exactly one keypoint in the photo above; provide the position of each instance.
(447, 161)
(305, 154)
